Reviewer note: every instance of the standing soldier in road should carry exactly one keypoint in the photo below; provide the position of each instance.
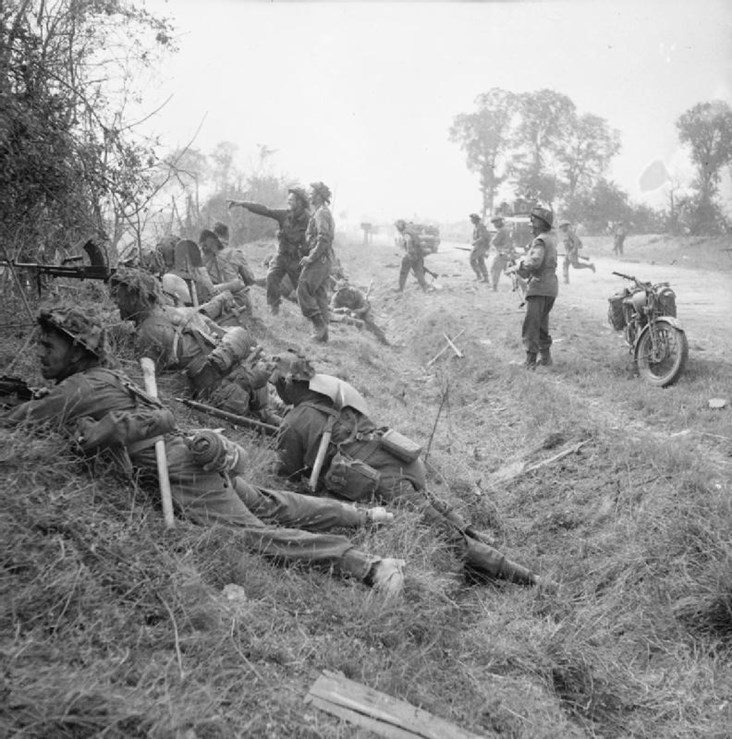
(572, 244)
(292, 222)
(503, 245)
(481, 243)
(539, 266)
(413, 258)
(619, 234)
(312, 290)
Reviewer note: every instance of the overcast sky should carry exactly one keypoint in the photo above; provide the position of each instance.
(361, 95)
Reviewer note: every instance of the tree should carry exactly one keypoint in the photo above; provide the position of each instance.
(485, 137)
(545, 117)
(70, 164)
(584, 155)
(707, 129)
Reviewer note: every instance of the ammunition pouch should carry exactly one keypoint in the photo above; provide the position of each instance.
(351, 478)
(399, 445)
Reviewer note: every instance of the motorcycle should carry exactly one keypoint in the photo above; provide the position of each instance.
(646, 313)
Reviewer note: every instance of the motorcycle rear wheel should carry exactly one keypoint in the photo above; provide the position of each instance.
(661, 363)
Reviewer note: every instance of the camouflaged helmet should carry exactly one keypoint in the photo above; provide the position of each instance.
(474, 217)
(221, 230)
(137, 281)
(543, 213)
(321, 189)
(300, 193)
(291, 367)
(80, 326)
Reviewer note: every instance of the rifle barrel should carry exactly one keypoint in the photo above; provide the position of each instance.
(237, 420)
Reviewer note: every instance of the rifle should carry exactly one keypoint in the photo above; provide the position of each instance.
(482, 559)
(97, 270)
(432, 274)
(464, 248)
(14, 385)
(237, 420)
(587, 259)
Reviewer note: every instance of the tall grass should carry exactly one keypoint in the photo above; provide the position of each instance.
(111, 625)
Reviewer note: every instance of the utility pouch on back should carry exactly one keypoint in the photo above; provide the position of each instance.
(399, 445)
(351, 478)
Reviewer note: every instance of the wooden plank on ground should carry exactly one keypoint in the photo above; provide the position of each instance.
(379, 712)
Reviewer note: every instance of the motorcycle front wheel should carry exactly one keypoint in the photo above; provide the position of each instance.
(661, 354)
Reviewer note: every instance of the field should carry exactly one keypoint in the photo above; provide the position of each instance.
(113, 626)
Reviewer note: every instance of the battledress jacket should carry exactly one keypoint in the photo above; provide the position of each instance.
(320, 235)
(481, 237)
(229, 264)
(182, 338)
(299, 438)
(206, 497)
(291, 231)
(539, 266)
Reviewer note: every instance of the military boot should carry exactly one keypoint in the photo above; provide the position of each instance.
(530, 361)
(545, 358)
(320, 332)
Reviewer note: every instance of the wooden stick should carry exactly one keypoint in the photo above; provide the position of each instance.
(443, 350)
(148, 371)
(457, 351)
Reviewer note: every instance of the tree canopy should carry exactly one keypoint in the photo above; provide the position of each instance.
(537, 142)
(70, 163)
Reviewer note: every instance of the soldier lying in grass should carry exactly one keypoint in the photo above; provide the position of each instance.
(102, 408)
(214, 359)
(328, 439)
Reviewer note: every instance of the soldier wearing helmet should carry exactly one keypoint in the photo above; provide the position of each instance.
(502, 242)
(572, 244)
(481, 243)
(69, 342)
(539, 267)
(413, 259)
(292, 223)
(226, 264)
(312, 290)
(349, 301)
(212, 358)
(105, 410)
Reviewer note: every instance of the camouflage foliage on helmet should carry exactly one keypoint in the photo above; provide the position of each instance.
(291, 367)
(81, 326)
(137, 282)
(321, 189)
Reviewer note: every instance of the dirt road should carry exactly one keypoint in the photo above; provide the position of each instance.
(703, 297)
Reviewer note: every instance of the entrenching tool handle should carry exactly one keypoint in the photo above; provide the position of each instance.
(148, 371)
(320, 458)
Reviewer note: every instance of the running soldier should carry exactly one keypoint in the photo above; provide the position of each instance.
(413, 258)
(292, 222)
(572, 245)
(503, 244)
(481, 243)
